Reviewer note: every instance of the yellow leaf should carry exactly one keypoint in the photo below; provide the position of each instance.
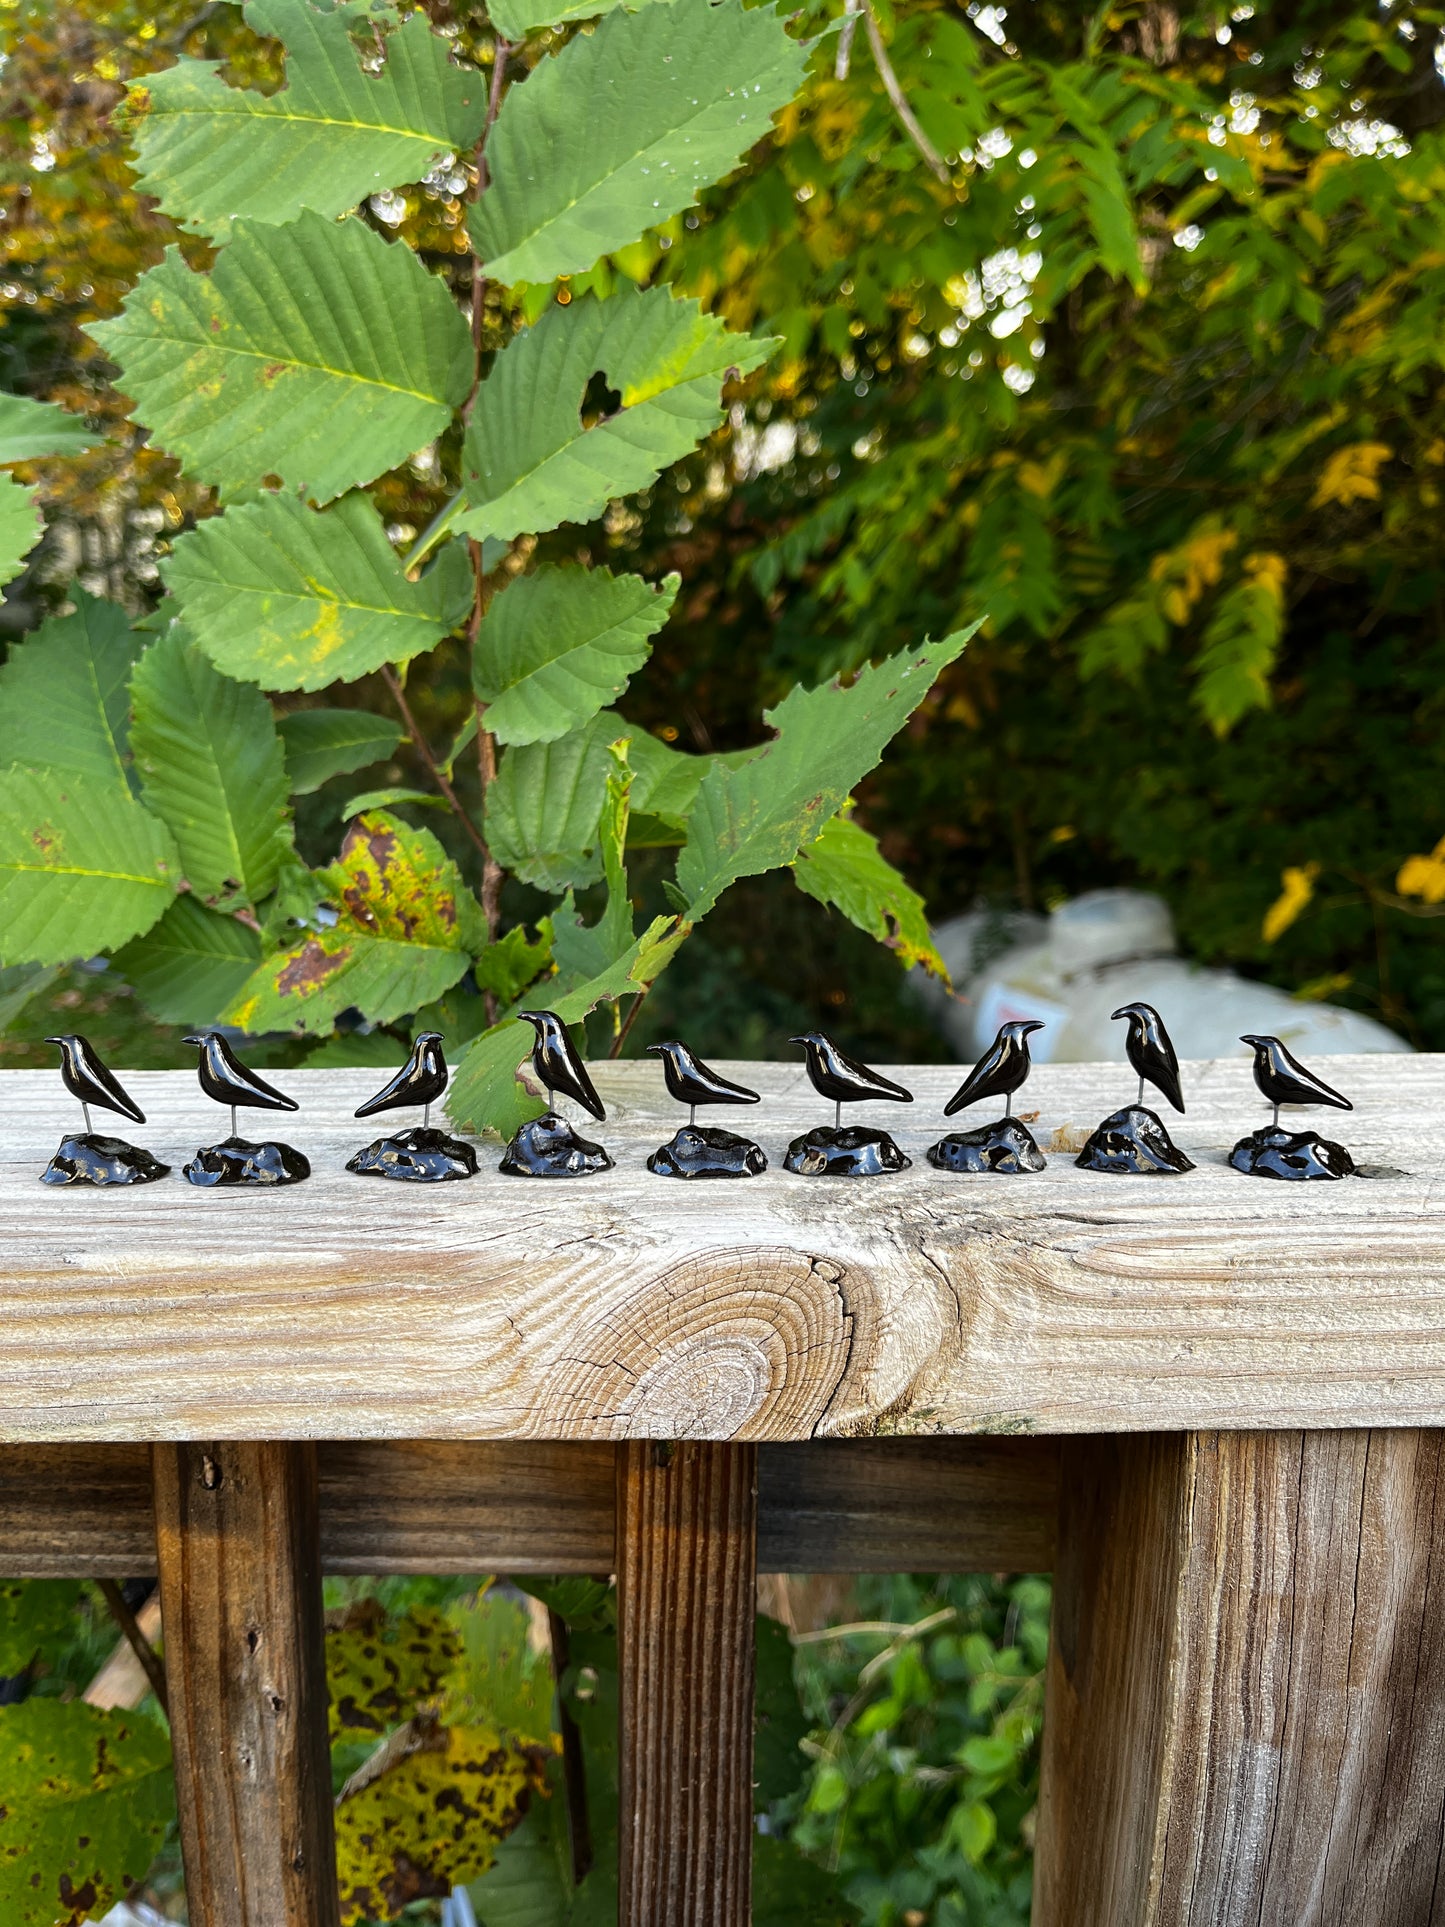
(1424, 876)
(1185, 572)
(1298, 886)
(1351, 474)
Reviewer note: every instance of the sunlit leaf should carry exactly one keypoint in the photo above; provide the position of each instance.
(189, 966)
(380, 1665)
(31, 429)
(845, 868)
(316, 351)
(20, 526)
(329, 138)
(64, 694)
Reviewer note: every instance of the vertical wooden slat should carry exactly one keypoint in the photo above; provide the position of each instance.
(237, 1545)
(687, 1587)
(1246, 1690)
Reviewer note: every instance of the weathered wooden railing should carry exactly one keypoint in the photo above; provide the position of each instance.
(1210, 1404)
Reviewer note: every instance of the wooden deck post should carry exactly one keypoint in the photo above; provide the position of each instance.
(1246, 1688)
(687, 1600)
(240, 1574)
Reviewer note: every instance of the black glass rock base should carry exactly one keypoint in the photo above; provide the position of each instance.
(548, 1147)
(234, 1161)
(87, 1158)
(844, 1151)
(1133, 1143)
(1272, 1152)
(420, 1156)
(1005, 1147)
(703, 1151)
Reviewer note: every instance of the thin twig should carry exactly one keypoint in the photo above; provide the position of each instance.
(900, 100)
(150, 1660)
(423, 749)
(621, 1038)
(845, 39)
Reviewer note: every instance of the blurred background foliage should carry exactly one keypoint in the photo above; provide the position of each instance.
(1128, 335)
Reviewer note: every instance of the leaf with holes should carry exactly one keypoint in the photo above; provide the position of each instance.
(322, 743)
(331, 136)
(560, 645)
(189, 966)
(757, 817)
(406, 928)
(316, 351)
(65, 697)
(531, 462)
(30, 430)
(20, 526)
(381, 1665)
(844, 867)
(495, 1089)
(83, 868)
(88, 1796)
(211, 767)
(624, 128)
(431, 1818)
(296, 598)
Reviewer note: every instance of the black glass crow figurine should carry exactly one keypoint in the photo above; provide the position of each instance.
(700, 1151)
(548, 1147)
(85, 1157)
(1271, 1152)
(1133, 1142)
(420, 1155)
(839, 1150)
(1006, 1146)
(226, 1080)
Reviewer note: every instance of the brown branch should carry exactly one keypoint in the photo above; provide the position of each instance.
(579, 1827)
(150, 1660)
(621, 1038)
(901, 107)
(423, 749)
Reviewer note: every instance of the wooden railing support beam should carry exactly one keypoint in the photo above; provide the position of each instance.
(240, 1576)
(1246, 1688)
(687, 1600)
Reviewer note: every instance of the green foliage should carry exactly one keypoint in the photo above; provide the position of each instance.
(64, 696)
(561, 645)
(20, 526)
(312, 351)
(33, 428)
(88, 1797)
(625, 127)
(33, 1612)
(532, 460)
(379, 1666)
(192, 963)
(845, 868)
(211, 768)
(322, 743)
(331, 136)
(291, 598)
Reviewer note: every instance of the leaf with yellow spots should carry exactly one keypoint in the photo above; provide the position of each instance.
(1424, 876)
(297, 598)
(426, 1814)
(1352, 474)
(380, 1666)
(1297, 887)
(404, 933)
(85, 1800)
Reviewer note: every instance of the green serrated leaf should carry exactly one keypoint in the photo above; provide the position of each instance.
(316, 351)
(30, 430)
(668, 780)
(500, 1676)
(380, 1665)
(515, 19)
(88, 1797)
(34, 1613)
(493, 1089)
(560, 645)
(755, 818)
(543, 808)
(295, 598)
(389, 798)
(845, 868)
(20, 526)
(624, 128)
(406, 925)
(530, 462)
(507, 966)
(332, 135)
(582, 950)
(64, 694)
(322, 743)
(83, 868)
(189, 966)
(432, 1819)
(211, 767)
